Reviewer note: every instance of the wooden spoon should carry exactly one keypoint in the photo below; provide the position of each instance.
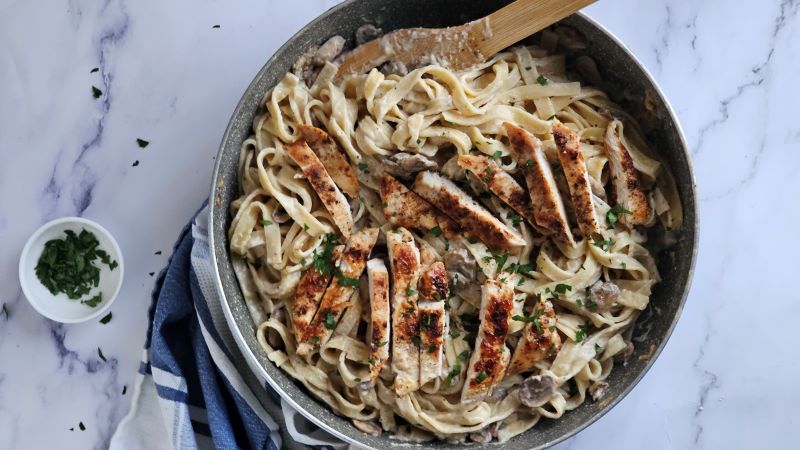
(462, 46)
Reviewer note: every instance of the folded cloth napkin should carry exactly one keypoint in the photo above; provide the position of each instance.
(194, 389)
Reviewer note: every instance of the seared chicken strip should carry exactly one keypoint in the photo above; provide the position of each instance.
(337, 297)
(538, 341)
(378, 331)
(433, 291)
(407, 209)
(405, 266)
(334, 161)
(488, 363)
(501, 183)
(309, 293)
(465, 211)
(626, 180)
(574, 164)
(547, 204)
(319, 179)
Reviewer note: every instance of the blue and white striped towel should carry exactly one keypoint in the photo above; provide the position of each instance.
(194, 389)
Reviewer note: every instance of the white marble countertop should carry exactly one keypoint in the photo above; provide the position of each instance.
(725, 380)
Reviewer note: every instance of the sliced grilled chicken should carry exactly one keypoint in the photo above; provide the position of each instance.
(574, 164)
(319, 179)
(626, 180)
(547, 204)
(433, 291)
(404, 208)
(538, 341)
(309, 293)
(338, 295)
(464, 210)
(488, 363)
(501, 183)
(378, 331)
(405, 266)
(334, 161)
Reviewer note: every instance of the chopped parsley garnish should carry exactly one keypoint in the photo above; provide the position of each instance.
(81, 426)
(410, 291)
(581, 332)
(484, 195)
(106, 319)
(265, 222)
(135, 163)
(624, 266)
(371, 361)
(446, 245)
(598, 348)
(562, 288)
(522, 269)
(315, 340)
(416, 340)
(363, 167)
(306, 227)
(579, 302)
(418, 141)
(357, 379)
(553, 117)
(4, 311)
(590, 304)
(527, 67)
(613, 215)
(100, 354)
(94, 70)
(487, 180)
(481, 376)
(463, 356)
(381, 343)
(215, 26)
(436, 231)
(346, 281)
(96, 93)
(142, 143)
(497, 154)
(151, 273)
(124, 389)
(511, 103)
(330, 320)
(68, 265)
(94, 301)
(323, 262)
(426, 322)
(500, 260)
(604, 245)
(454, 333)
(157, 252)
(529, 163)
(432, 348)
(541, 80)
(514, 218)
(454, 372)
(529, 319)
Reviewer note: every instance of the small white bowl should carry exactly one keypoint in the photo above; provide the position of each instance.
(59, 307)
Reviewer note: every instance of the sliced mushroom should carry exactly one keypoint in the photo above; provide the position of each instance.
(461, 261)
(598, 390)
(483, 436)
(406, 165)
(328, 51)
(366, 33)
(536, 390)
(604, 294)
(394, 68)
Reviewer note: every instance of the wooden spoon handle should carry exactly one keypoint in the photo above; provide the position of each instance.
(522, 18)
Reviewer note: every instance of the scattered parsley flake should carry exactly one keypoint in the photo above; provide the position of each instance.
(581, 332)
(157, 252)
(94, 70)
(215, 26)
(562, 288)
(454, 372)
(345, 281)
(579, 302)
(306, 227)
(94, 301)
(151, 273)
(81, 426)
(323, 262)
(553, 117)
(436, 231)
(410, 291)
(135, 163)
(106, 318)
(265, 222)
(542, 80)
(463, 356)
(613, 215)
(330, 320)
(497, 154)
(315, 340)
(604, 244)
(432, 348)
(96, 93)
(101, 355)
(500, 259)
(124, 389)
(529, 163)
(4, 311)
(514, 218)
(597, 348)
(446, 245)
(416, 340)
(142, 143)
(357, 379)
(363, 167)
(481, 376)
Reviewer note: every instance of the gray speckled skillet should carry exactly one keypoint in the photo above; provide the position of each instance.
(628, 82)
